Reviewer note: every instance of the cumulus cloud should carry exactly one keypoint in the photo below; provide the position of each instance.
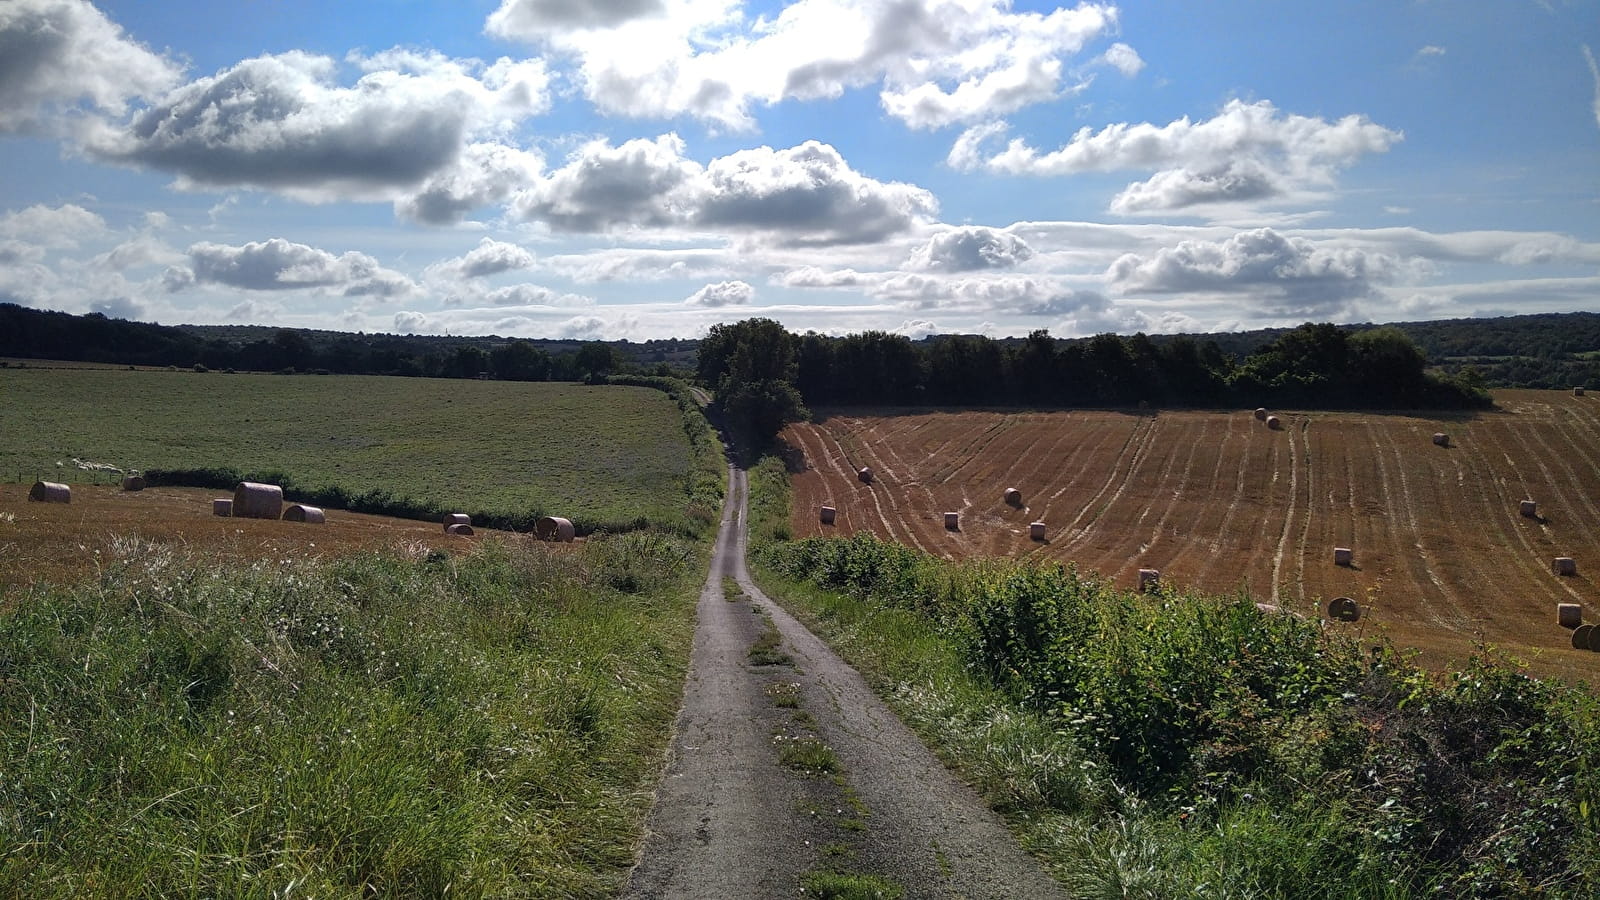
(283, 123)
(814, 277)
(485, 174)
(490, 257)
(535, 295)
(1013, 294)
(1247, 152)
(278, 265)
(970, 248)
(410, 323)
(722, 293)
(142, 250)
(118, 308)
(1124, 59)
(62, 53)
(935, 61)
(52, 227)
(803, 196)
(1295, 274)
(642, 264)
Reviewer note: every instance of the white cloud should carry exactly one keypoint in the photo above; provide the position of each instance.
(803, 196)
(142, 250)
(813, 277)
(935, 61)
(722, 293)
(1594, 73)
(1124, 59)
(411, 323)
(1014, 294)
(535, 295)
(1247, 152)
(1292, 275)
(277, 265)
(490, 257)
(283, 123)
(52, 227)
(634, 264)
(917, 329)
(485, 174)
(970, 248)
(60, 53)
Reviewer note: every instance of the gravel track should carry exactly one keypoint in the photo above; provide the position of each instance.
(731, 821)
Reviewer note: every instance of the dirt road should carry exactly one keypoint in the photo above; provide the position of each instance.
(786, 767)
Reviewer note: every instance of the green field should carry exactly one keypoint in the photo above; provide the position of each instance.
(602, 456)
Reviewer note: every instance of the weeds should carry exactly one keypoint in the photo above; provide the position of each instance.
(378, 725)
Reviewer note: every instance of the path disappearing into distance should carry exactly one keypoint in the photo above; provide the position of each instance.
(737, 817)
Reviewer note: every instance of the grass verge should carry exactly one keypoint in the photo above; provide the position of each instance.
(383, 725)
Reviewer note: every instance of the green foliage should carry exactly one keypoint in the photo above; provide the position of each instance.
(608, 458)
(708, 466)
(382, 725)
(751, 366)
(850, 886)
(1164, 745)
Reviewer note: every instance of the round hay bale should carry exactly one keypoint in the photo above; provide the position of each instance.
(865, 474)
(253, 500)
(1577, 392)
(827, 514)
(1013, 497)
(223, 506)
(952, 521)
(1530, 509)
(1564, 565)
(1594, 640)
(311, 515)
(1581, 636)
(50, 492)
(460, 528)
(1036, 531)
(554, 528)
(1344, 556)
(1149, 580)
(1569, 615)
(133, 482)
(1344, 609)
(1261, 414)
(456, 519)
(1274, 423)
(1441, 439)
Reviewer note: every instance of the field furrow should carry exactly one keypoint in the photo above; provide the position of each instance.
(1220, 503)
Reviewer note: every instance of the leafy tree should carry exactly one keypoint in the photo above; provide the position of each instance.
(520, 361)
(752, 366)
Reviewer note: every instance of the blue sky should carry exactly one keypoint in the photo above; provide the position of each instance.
(646, 168)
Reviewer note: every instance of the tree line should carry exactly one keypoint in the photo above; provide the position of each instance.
(765, 375)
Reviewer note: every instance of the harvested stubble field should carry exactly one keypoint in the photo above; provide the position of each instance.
(61, 543)
(604, 454)
(1443, 559)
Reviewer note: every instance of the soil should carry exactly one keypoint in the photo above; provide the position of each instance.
(732, 820)
(1218, 502)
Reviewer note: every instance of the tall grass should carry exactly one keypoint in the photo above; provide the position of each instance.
(387, 725)
(1177, 745)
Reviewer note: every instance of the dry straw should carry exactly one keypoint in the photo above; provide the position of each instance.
(460, 528)
(311, 515)
(1564, 565)
(1343, 556)
(457, 519)
(50, 492)
(1036, 531)
(222, 506)
(553, 528)
(252, 500)
(133, 482)
(1569, 615)
(827, 514)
